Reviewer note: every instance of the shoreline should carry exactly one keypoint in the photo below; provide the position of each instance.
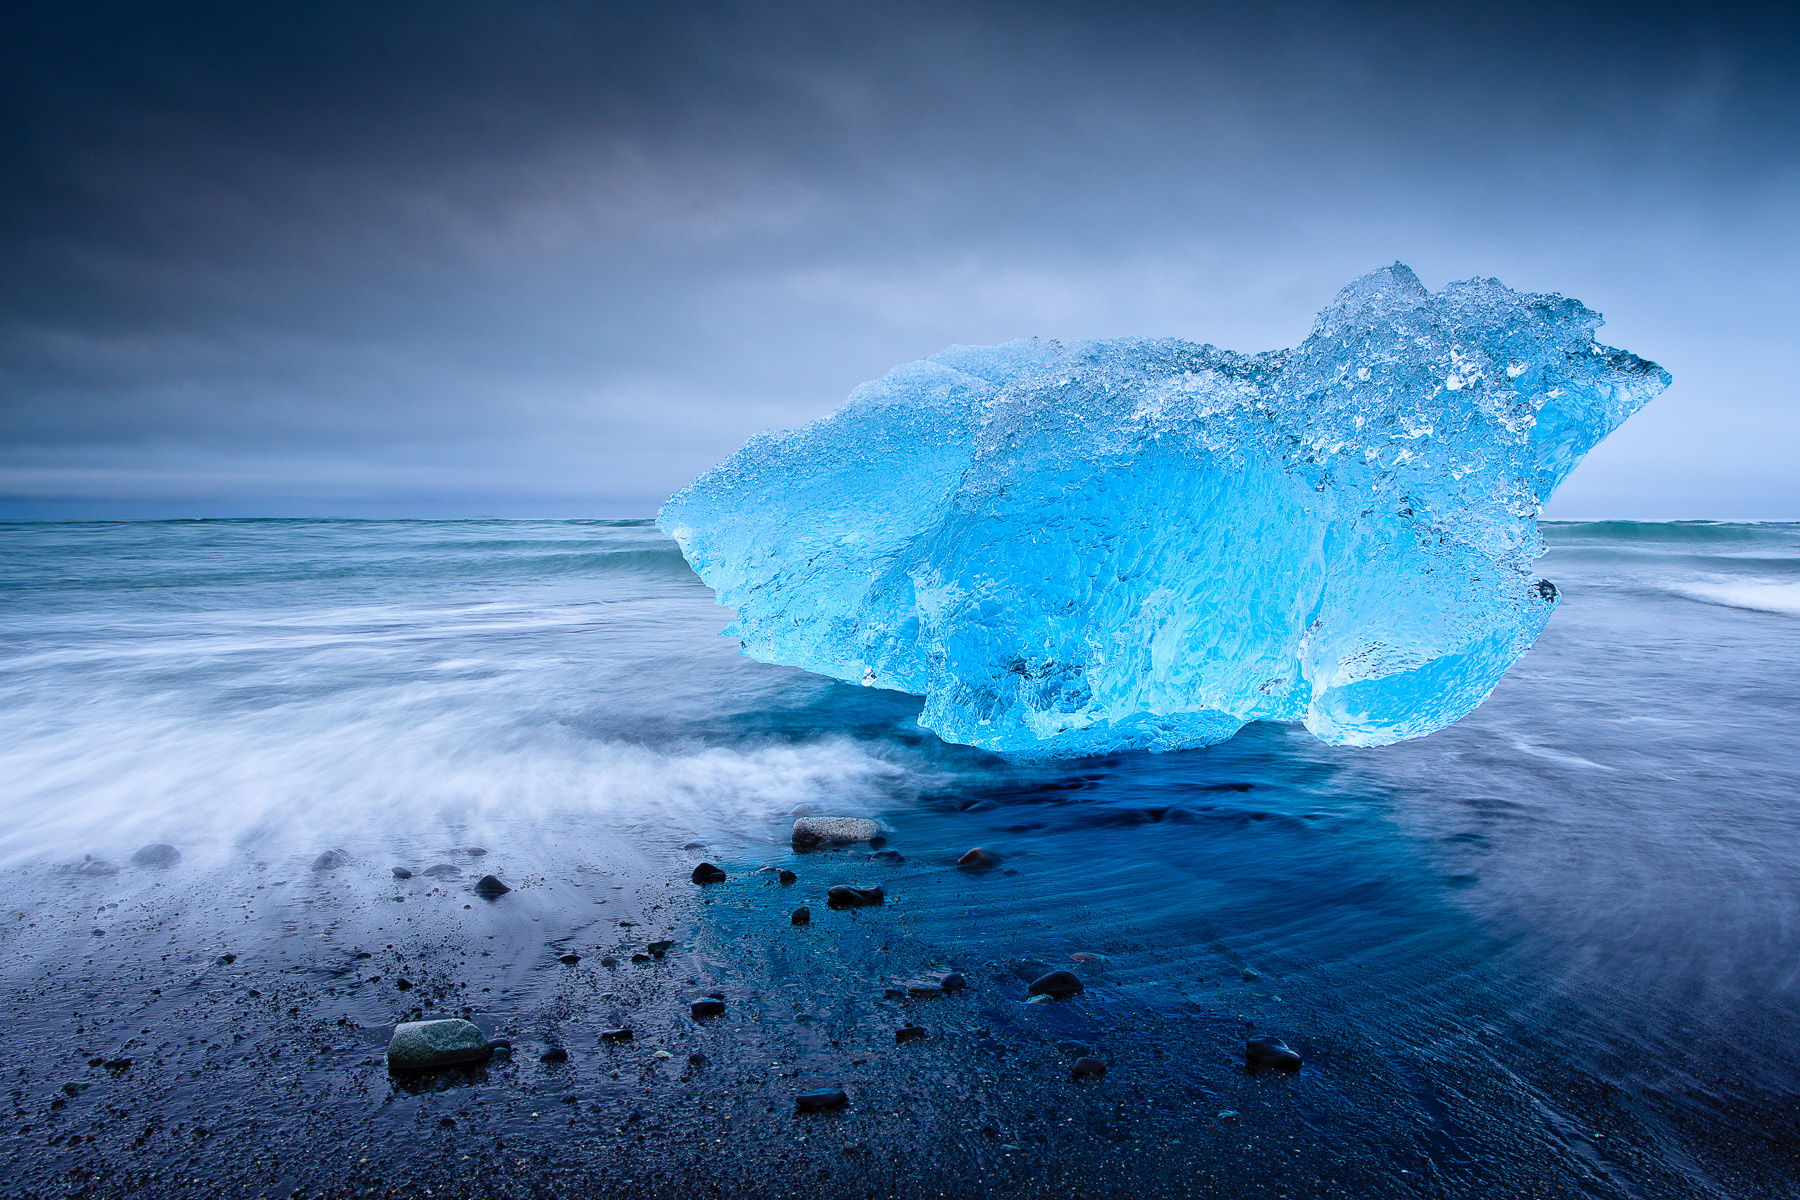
(265, 1075)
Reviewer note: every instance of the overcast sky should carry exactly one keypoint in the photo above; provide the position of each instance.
(556, 259)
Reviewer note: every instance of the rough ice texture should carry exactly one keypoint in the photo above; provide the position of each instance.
(1070, 549)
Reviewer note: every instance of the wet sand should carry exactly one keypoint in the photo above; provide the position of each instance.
(217, 1028)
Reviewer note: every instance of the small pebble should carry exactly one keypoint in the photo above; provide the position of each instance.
(475, 851)
(707, 1008)
(658, 949)
(331, 860)
(402, 873)
(615, 1035)
(877, 842)
(801, 916)
(909, 1033)
(640, 957)
(443, 871)
(1270, 1052)
(609, 961)
(1056, 985)
(490, 888)
(977, 860)
(707, 873)
(924, 991)
(888, 856)
(1088, 1068)
(554, 1055)
(788, 878)
(696, 1060)
(953, 982)
(851, 897)
(569, 959)
(820, 1101)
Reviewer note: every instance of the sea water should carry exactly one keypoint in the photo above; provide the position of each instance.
(1589, 883)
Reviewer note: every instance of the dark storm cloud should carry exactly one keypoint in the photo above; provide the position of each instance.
(558, 258)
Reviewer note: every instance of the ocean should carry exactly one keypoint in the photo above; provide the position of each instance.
(1565, 931)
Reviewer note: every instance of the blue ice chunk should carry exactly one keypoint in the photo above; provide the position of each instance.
(1077, 548)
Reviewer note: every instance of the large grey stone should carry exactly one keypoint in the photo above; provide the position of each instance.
(417, 1045)
(833, 831)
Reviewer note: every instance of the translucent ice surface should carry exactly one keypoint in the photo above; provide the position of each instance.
(1076, 548)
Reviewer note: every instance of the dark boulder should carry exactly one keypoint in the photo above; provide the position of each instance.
(490, 888)
(909, 1033)
(978, 860)
(707, 873)
(1272, 1053)
(554, 1055)
(788, 878)
(852, 897)
(401, 873)
(1056, 985)
(821, 1101)
(801, 916)
(157, 854)
(1088, 1068)
(615, 1035)
(709, 1007)
(953, 982)
(569, 960)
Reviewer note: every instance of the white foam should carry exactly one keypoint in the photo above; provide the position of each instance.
(1755, 595)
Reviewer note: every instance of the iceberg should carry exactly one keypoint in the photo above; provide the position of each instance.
(1073, 549)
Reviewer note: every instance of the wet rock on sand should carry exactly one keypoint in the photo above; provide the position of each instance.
(421, 1045)
(802, 916)
(853, 897)
(707, 873)
(1057, 985)
(1272, 1053)
(157, 854)
(331, 860)
(811, 832)
(909, 1033)
(953, 982)
(401, 873)
(888, 856)
(490, 888)
(711, 1006)
(978, 860)
(821, 1101)
(443, 871)
(1087, 1068)
(788, 878)
(95, 866)
(615, 1035)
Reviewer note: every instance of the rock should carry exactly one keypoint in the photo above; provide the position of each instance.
(1087, 1068)
(694, 846)
(953, 982)
(924, 991)
(821, 1101)
(640, 957)
(157, 854)
(851, 897)
(404, 985)
(615, 1035)
(331, 860)
(801, 916)
(1270, 1052)
(225, 960)
(490, 888)
(709, 1007)
(1228, 1114)
(1057, 985)
(475, 851)
(554, 1055)
(696, 1060)
(707, 873)
(888, 856)
(877, 842)
(788, 878)
(443, 871)
(401, 873)
(569, 959)
(421, 1045)
(978, 860)
(810, 832)
(1249, 973)
(658, 949)
(909, 1033)
(96, 866)
(609, 961)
